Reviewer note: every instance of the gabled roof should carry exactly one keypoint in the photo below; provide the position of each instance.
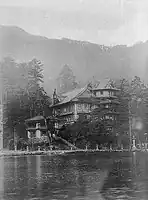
(69, 96)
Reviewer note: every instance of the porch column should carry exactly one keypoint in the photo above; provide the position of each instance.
(28, 134)
(134, 143)
(38, 132)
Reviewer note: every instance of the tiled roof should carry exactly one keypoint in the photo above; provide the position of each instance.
(71, 95)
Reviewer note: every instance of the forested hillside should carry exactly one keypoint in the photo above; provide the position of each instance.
(85, 59)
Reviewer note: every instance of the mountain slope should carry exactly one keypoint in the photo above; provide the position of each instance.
(86, 59)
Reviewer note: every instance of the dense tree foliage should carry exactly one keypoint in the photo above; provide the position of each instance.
(133, 106)
(23, 94)
(24, 97)
(133, 99)
(87, 132)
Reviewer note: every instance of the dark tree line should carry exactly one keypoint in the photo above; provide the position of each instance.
(23, 95)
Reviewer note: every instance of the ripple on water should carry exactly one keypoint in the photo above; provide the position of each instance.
(74, 178)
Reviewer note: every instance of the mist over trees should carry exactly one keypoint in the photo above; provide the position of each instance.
(66, 80)
(24, 97)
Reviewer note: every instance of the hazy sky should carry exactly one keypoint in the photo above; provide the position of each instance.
(106, 22)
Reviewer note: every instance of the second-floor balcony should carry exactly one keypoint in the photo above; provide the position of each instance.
(34, 128)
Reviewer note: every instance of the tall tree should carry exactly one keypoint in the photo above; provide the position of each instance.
(66, 80)
(132, 97)
(22, 93)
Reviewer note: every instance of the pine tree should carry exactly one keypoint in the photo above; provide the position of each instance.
(22, 93)
(66, 80)
(132, 98)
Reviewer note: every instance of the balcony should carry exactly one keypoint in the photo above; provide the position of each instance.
(33, 128)
(64, 113)
(113, 112)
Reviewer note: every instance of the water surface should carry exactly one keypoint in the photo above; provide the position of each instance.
(86, 177)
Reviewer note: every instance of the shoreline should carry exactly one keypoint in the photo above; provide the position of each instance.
(56, 152)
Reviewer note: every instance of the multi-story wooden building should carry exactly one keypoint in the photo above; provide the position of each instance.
(106, 98)
(70, 105)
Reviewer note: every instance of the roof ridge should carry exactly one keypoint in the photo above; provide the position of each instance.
(82, 90)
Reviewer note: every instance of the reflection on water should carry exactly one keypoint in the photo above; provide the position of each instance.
(100, 176)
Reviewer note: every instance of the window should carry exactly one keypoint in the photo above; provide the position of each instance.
(106, 106)
(101, 92)
(110, 93)
(86, 107)
(107, 117)
(111, 117)
(71, 108)
(80, 107)
(58, 111)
